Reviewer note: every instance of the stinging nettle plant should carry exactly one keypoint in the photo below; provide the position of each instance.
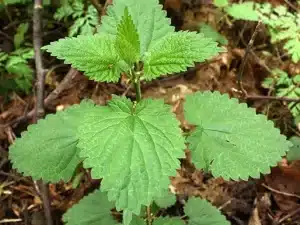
(135, 146)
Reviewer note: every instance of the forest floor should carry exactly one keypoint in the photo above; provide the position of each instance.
(273, 199)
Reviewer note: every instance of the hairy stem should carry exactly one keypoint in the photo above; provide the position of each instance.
(136, 75)
(137, 87)
(149, 216)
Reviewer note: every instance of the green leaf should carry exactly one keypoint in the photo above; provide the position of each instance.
(296, 79)
(221, 3)
(19, 36)
(24, 53)
(291, 91)
(127, 41)
(3, 56)
(133, 147)
(75, 28)
(95, 55)
(93, 209)
(211, 33)
(230, 138)
(168, 221)
(23, 74)
(166, 200)
(243, 11)
(201, 212)
(127, 217)
(138, 221)
(48, 149)
(268, 82)
(294, 152)
(293, 48)
(177, 51)
(150, 20)
(85, 25)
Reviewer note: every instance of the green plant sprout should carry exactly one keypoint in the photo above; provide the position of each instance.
(134, 145)
(15, 72)
(282, 24)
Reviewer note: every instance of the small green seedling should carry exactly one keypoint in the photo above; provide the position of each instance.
(134, 146)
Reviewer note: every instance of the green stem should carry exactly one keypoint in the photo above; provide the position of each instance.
(137, 87)
(137, 82)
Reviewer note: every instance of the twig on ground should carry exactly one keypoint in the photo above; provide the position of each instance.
(42, 189)
(244, 60)
(289, 215)
(10, 221)
(272, 98)
(280, 192)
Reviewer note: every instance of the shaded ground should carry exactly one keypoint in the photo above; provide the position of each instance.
(273, 199)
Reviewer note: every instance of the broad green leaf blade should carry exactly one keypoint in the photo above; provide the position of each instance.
(93, 209)
(243, 11)
(231, 140)
(168, 221)
(166, 200)
(177, 51)
(48, 149)
(133, 147)
(150, 20)
(201, 212)
(294, 152)
(136, 220)
(127, 217)
(127, 41)
(93, 54)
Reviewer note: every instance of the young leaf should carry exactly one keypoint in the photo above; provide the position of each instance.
(168, 221)
(85, 25)
(166, 200)
(221, 3)
(230, 139)
(21, 71)
(93, 209)
(127, 41)
(177, 51)
(201, 212)
(210, 32)
(294, 153)
(48, 149)
(133, 147)
(150, 20)
(19, 36)
(95, 55)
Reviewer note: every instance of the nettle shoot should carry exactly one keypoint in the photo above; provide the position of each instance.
(135, 146)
